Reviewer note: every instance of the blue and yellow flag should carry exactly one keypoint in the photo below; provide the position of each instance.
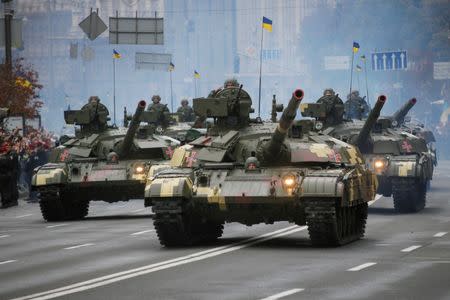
(355, 47)
(196, 74)
(267, 24)
(171, 67)
(116, 54)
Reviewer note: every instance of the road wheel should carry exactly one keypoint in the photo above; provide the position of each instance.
(56, 205)
(330, 224)
(176, 224)
(409, 195)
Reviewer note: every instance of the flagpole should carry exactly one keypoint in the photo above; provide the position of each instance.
(114, 89)
(260, 72)
(357, 78)
(367, 87)
(351, 72)
(171, 92)
(195, 86)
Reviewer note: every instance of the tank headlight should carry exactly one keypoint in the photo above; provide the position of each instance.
(319, 125)
(379, 164)
(139, 169)
(289, 181)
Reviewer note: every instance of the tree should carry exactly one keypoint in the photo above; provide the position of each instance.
(19, 89)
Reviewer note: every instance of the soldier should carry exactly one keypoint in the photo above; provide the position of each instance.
(98, 115)
(334, 107)
(356, 107)
(160, 109)
(229, 83)
(185, 112)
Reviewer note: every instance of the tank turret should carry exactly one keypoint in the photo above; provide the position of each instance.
(399, 115)
(132, 129)
(364, 133)
(272, 148)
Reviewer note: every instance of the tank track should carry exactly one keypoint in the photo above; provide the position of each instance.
(330, 224)
(57, 207)
(176, 225)
(409, 195)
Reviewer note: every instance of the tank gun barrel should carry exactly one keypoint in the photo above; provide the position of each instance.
(132, 128)
(399, 115)
(370, 121)
(274, 145)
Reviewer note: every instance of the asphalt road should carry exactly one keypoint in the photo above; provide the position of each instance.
(115, 254)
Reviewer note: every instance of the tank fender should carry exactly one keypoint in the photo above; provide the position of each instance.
(402, 168)
(49, 175)
(169, 187)
(321, 187)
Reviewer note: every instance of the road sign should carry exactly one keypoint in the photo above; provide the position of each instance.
(441, 70)
(337, 62)
(138, 31)
(153, 61)
(388, 61)
(93, 26)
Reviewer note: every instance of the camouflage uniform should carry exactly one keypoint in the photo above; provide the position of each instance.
(98, 114)
(330, 99)
(160, 109)
(229, 83)
(356, 107)
(185, 112)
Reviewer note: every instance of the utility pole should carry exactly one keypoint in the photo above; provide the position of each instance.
(8, 12)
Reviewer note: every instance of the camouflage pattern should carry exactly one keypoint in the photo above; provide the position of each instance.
(185, 112)
(253, 172)
(356, 107)
(110, 165)
(402, 161)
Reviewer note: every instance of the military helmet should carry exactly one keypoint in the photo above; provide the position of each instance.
(93, 99)
(184, 101)
(231, 82)
(156, 98)
(329, 92)
(353, 94)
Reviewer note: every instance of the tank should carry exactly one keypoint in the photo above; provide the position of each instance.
(248, 171)
(401, 160)
(103, 163)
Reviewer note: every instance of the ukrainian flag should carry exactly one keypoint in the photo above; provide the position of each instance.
(355, 47)
(116, 54)
(171, 67)
(267, 24)
(196, 74)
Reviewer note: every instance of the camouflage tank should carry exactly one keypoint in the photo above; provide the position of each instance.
(401, 160)
(102, 163)
(418, 129)
(167, 125)
(252, 172)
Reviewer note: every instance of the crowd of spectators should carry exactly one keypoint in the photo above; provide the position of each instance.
(31, 148)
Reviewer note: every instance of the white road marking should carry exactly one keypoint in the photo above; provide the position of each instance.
(57, 225)
(138, 210)
(23, 216)
(412, 248)
(142, 232)
(439, 234)
(361, 267)
(115, 277)
(4, 236)
(382, 245)
(377, 197)
(78, 246)
(7, 261)
(283, 294)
